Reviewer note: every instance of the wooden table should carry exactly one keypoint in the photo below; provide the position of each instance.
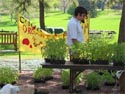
(75, 69)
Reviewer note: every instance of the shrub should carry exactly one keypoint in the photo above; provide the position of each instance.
(93, 80)
(71, 10)
(41, 73)
(8, 75)
(65, 77)
(107, 78)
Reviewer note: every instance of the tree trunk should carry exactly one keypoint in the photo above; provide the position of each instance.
(121, 37)
(41, 7)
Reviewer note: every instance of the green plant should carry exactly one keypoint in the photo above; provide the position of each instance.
(55, 49)
(100, 48)
(80, 50)
(103, 47)
(8, 75)
(107, 77)
(41, 73)
(71, 9)
(118, 52)
(65, 77)
(92, 50)
(93, 80)
(76, 50)
(84, 50)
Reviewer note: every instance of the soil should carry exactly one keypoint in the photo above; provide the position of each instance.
(54, 86)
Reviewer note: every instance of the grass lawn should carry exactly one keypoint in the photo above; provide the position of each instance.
(106, 20)
(7, 24)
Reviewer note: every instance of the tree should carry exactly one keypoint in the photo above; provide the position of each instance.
(22, 7)
(55, 4)
(121, 37)
(19, 6)
(112, 3)
(65, 4)
(41, 7)
(90, 5)
(101, 4)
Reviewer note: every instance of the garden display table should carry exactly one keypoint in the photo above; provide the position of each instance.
(75, 69)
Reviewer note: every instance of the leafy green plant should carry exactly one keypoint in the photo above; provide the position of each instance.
(118, 52)
(66, 79)
(41, 73)
(55, 49)
(93, 80)
(84, 50)
(8, 75)
(76, 50)
(107, 77)
(92, 47)
(80, 50)
(100, 48)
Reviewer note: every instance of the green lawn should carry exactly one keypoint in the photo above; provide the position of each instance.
(106, 20)
(7, 24)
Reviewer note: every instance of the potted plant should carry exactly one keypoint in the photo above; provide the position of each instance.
(55, 51)
(40, 91)
(8, 75)
(103, 53)
(42, 74)
(108, 79)
(93, 81)
(84, 53)
(80, 53)
(92, 51)
(100, 50)
(65, 78)
(118, 57)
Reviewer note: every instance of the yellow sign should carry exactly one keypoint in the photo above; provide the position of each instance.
(32, 38)
(85, 27)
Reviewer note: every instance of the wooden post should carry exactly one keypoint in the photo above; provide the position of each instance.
(121, 37)
(20, 61)
(122, 83)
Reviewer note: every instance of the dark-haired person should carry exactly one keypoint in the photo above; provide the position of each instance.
(74, 28)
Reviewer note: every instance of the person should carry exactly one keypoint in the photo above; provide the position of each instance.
(9, 89)
(74, 28)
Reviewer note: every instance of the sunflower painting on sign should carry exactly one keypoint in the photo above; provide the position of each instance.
(32, 38)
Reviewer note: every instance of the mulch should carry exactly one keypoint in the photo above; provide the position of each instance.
(54, 86)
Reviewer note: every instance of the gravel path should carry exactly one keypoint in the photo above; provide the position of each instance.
(26, 64)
